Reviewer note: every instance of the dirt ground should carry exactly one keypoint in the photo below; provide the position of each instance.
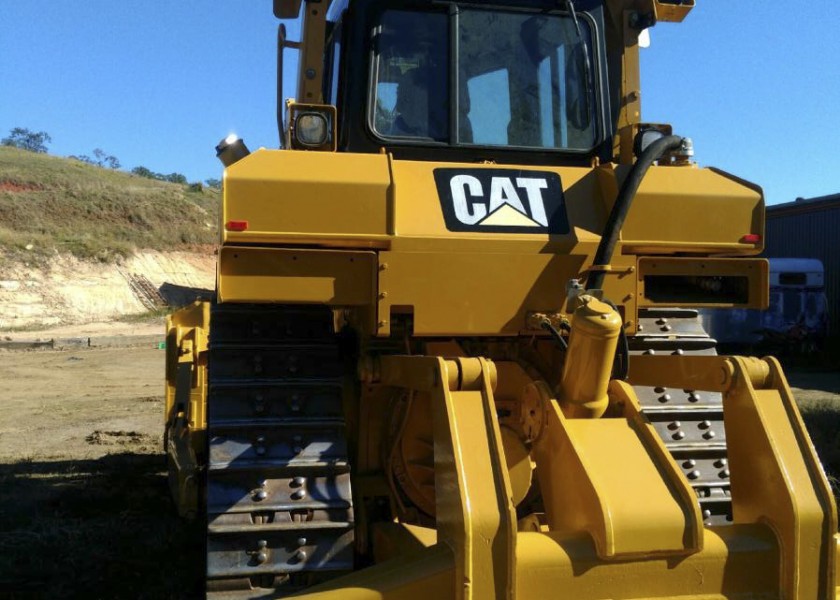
(84, 504)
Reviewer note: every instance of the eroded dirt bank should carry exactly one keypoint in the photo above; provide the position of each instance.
(68, 291)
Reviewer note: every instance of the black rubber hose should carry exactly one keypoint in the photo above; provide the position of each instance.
(555, 334)
(621, 362)
(615, 222)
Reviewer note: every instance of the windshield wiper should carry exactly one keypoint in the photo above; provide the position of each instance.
(587, 65)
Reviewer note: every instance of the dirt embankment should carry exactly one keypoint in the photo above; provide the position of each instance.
(69, 291)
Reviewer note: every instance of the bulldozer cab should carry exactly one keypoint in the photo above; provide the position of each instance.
(520, 80)
(525, 81)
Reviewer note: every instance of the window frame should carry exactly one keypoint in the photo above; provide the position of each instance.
(453, 10)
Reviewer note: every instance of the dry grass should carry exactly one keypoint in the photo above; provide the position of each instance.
(50, 204)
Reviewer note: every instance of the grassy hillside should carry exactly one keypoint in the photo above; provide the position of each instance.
(50, 204)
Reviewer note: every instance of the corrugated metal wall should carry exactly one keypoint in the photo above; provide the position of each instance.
(810, 229)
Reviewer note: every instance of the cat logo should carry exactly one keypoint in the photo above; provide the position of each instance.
(502, 200)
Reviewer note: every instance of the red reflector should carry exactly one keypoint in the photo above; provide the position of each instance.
(236, 225)
(751, 238)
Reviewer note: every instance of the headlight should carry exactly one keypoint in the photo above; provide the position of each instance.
(310, 126)
(231, 149)
(312, 130)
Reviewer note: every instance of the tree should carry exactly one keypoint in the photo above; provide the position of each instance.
(105, 160)
(33, 141)
(175, 178)
(149, 174)
(84, 158)
(143, 172)
(100, 159)
(213, 183)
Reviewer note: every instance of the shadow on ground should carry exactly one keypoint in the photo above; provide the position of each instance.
(180, 295)
(103, 528)
(825, 381)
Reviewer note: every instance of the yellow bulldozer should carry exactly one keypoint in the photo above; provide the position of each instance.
(455, 350)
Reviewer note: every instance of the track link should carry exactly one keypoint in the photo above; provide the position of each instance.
(689, 422)
(279, 508)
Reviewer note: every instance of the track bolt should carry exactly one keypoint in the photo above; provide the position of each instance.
(260, 495)
(705, 424)
(301, 555)
(301, 541)
(709, 435)
(665, 398)
(298, 494)
(707, 513)
(724, 474)
(678, 351)
(694, 474)
(721, 462)
(694, 397)
(298, 481)
(649, 352)
(261, 553)
(661, 321)
(674, 425)
(678, 435)
(665, 328)
(659, 389)
(690, 463)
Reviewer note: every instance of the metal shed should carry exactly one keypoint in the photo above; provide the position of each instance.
(810, 228)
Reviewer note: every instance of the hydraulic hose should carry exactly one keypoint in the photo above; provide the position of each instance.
(615, 222)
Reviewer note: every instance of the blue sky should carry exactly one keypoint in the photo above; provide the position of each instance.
(159, 83)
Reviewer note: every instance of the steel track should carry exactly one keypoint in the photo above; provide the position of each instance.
(279, 508)
(689, 422)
